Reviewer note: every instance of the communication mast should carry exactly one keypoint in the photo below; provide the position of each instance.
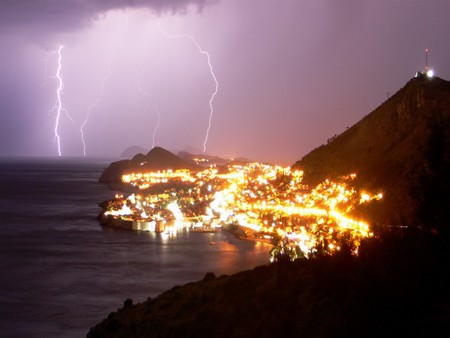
(428, 72)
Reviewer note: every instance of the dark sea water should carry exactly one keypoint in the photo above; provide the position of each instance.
(61, 272)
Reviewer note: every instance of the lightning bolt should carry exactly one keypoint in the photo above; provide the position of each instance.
(92, 105)
(154, 103)
(58, 107)
(211, 71)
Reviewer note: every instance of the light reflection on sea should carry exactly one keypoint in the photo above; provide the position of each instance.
(62, 273)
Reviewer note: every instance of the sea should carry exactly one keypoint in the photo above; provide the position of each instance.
(61, 272)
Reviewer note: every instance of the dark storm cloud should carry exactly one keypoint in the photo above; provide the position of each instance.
(292, 73)
(65, 15)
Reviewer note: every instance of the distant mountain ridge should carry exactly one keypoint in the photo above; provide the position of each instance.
(133, 150)
(161, 159)
(401, 149)
(208, 159)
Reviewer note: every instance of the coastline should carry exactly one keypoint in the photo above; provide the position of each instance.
(248, 235)
(130, 225)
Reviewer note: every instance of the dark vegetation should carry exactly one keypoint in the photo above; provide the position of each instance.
(398, 286)
(393, 289)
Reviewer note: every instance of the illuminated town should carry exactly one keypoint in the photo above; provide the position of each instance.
(258, 201)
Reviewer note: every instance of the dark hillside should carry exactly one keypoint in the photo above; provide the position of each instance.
(392, 290)
(156, 159)
(402, 149)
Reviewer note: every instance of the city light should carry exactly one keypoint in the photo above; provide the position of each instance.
(267, 203)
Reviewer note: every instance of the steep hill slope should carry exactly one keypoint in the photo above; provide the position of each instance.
(401, 149)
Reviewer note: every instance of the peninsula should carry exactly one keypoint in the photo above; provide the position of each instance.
(363, 226)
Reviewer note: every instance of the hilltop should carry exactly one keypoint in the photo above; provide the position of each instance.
(156, 159)
(161, 159)
(133, 150)
(401, 149)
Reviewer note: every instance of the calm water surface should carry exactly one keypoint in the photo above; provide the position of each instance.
(61, 272)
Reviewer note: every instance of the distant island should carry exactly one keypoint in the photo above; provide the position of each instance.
(332, 276)
(133, 150)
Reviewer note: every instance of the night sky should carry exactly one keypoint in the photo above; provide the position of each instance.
(290, 74)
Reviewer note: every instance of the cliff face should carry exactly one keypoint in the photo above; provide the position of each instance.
(400, 149)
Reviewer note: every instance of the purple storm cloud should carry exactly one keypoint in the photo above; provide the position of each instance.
(290, 74)
(72, 14)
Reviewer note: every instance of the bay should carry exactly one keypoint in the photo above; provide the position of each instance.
(62, 272)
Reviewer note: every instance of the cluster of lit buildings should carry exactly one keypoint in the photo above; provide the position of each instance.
(264, 201)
